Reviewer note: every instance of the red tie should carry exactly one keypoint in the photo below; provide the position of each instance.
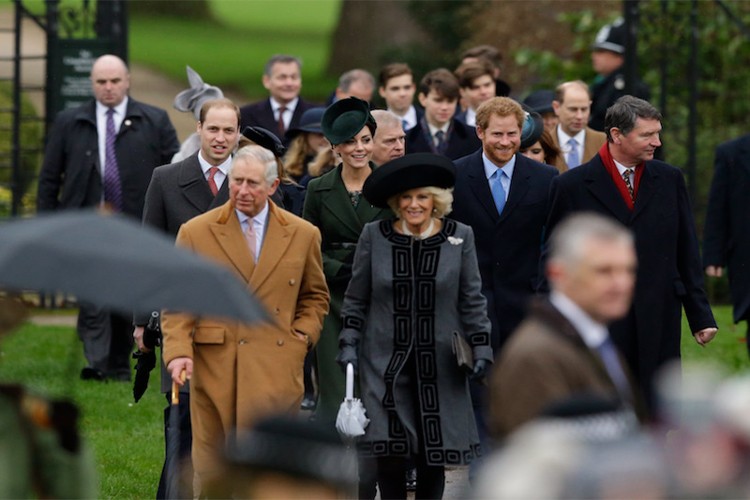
(282, 128)
(211, 181)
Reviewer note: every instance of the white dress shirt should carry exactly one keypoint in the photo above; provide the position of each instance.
(288, 112)
(221, 174)
(563, 139)
(260, 221)
(101, 128)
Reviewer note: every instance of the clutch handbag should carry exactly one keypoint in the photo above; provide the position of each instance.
(463, 352)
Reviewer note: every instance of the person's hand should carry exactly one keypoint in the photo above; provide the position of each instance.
(714, 271)
(138, 338)
(705, 336)
(176, 367)
(480, 369)
(348, 354)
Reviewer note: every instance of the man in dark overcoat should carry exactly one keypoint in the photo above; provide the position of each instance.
(624, 182)
(727, 231)
(103, 153)
(282, 110)
(177, 193)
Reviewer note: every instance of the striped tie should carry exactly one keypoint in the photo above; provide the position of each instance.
(626, 177)
(112, 187)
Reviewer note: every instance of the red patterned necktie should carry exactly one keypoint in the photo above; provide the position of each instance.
(212, 181)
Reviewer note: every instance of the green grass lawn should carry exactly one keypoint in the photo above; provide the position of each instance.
(231, 52)
(127, 438)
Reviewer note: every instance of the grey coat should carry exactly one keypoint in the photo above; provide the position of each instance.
(404, 300)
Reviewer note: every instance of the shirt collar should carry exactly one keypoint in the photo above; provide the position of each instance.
(433, 129)
(259, 220)
(290, 106)
(592, 332)
(490, 168)
(205, 166)
(120, 109)
(563, 138)
(622, 168)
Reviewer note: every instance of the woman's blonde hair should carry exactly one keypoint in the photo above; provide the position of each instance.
(442, 201)
(294, 159)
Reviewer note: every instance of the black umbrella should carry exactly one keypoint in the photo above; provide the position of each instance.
(114, 262)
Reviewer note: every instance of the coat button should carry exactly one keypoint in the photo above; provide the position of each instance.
(292, 282)
(277, 310)
(243, 341)
(279, 342)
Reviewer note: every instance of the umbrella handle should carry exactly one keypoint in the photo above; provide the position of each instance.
(176, 389)
(349, 381)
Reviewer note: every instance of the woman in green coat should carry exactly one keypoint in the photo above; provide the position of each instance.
(334, 204)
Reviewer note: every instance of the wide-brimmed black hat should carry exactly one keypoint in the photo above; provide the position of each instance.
(540, 101)
(412, 171)
(533, 126)
(308, 122)
(611, 37)
(266, 139)
(343, 119)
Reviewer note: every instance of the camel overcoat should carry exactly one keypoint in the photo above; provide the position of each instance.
(241, 373)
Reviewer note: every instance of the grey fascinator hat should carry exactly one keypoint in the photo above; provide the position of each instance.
(191, 100)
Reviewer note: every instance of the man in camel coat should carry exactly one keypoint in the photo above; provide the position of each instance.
(240, 373)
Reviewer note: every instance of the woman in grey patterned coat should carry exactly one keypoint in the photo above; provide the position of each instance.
(415, 281)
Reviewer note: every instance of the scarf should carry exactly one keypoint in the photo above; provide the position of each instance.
(609, 164)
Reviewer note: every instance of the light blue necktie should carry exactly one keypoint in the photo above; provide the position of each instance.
(573, 159)
(498, 193)
(405, 124)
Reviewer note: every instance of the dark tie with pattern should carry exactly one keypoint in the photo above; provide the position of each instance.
(626, 177)
(112, 187)
(440, 137)
(282, 127)
(212, 181)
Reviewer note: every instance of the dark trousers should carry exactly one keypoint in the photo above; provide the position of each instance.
(107, 340)
(392, 473)
(186, 444)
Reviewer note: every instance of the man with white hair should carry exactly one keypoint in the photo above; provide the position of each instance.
(241, 373)
(563, 349)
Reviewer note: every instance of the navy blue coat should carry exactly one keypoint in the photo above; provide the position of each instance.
(670, 275)
(727, 231)
(508, 245)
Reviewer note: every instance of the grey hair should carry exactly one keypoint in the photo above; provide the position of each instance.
(625, 112)
(354, 75)
(568, 239)
(385, 118)
(442, 201)
(280, 59)
(253, 152)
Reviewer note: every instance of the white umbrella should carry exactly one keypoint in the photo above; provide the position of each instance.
(351, 420)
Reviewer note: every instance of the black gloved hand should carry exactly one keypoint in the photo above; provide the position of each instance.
(480, 369)
(348, 354)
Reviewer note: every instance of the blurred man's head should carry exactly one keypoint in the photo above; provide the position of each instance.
(282, 78)
(486, 53)
(572, 106)
(438, 95)
(389, 142)
(218, 129)
(356, 83)
(110, 80)
(397, 87)
(592, 262)
(477, 82)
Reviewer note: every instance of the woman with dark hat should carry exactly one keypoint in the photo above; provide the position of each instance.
(335, 205)
(536, 143)
(415, 282)
(305, 142)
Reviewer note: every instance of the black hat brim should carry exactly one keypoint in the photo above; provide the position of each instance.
(416, 170)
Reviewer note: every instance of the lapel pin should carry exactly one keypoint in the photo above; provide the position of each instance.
(128, 123)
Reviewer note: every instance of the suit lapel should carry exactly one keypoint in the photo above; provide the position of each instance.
(479, 185)
(519, 185)
(648, 186)
(590, 148)
(275, 243)
(193, 184)
(228, 234)
(337, 202)
(602, 187)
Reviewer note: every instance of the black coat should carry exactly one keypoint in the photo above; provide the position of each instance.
(260, 114)
(508, 245)
(462, 141)
(669, 267)
(71, 175)
(605, 91)
(727, 231)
